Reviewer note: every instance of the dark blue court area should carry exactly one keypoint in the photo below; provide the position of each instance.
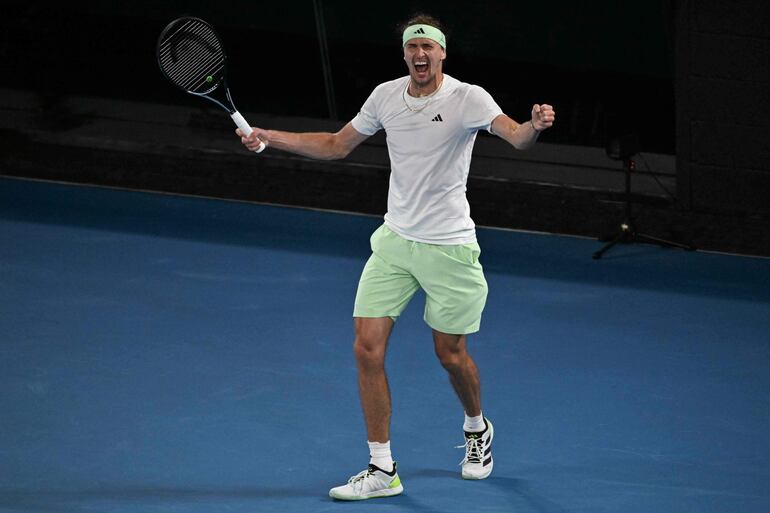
(175, 354)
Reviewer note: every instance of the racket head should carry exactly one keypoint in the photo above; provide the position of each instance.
(191, 55)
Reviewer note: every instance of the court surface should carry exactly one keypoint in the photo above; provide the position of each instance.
(174, 354)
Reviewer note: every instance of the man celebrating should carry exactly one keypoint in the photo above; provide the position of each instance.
(428, 239)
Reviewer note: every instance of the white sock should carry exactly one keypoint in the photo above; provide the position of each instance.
(474, 424)
(380, 455)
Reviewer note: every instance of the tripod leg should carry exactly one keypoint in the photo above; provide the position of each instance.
(618, 238)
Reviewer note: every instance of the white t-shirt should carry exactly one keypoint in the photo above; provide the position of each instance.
(430, 142)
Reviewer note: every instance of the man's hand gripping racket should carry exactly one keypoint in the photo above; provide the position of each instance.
(191, 56)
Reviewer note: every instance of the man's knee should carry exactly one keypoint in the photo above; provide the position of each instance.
(451, 359)
(371, 340)
(450, 350)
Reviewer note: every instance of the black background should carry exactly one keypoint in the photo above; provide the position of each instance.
(607, 67)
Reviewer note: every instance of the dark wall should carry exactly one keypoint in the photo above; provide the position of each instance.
(607, 67)
(723, 79)
(608, 70)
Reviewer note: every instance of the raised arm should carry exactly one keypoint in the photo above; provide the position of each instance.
(317, 145)
(523, 136)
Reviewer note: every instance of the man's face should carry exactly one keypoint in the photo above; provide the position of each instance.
(424, 58)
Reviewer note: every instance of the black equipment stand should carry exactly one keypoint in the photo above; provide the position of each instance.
(623, 149)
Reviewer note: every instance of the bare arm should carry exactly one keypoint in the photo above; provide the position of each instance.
(523, 136)
(317, 145)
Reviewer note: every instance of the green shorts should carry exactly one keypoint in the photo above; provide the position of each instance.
(450, 275)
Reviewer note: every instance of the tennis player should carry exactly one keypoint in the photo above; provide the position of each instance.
(428, 238)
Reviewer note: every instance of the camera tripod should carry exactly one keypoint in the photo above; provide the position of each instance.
(628, 232)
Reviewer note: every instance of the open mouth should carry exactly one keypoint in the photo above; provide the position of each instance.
(421, 66)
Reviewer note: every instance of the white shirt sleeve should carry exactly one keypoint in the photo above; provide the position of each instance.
(480, 109)
(366, 121)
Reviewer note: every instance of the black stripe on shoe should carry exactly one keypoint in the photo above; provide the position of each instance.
(488, 461)
(373, 468)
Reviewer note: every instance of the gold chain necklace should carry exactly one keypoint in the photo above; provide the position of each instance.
(427, 98)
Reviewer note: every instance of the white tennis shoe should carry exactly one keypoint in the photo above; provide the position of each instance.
(478, 463)
(369, 484)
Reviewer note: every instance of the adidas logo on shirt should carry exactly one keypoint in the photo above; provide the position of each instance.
(438, 118)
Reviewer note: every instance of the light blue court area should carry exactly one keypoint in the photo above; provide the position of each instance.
(174, 354)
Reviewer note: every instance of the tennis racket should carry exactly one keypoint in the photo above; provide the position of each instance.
(191, 56)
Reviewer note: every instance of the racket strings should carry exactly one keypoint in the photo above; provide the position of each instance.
(191, 57)
(194, 31)
(195, 65)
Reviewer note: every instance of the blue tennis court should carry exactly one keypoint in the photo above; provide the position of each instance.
(176, 354)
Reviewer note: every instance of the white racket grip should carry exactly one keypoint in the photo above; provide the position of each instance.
(246, 129)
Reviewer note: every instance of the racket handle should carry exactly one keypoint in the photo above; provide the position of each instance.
(246, 129)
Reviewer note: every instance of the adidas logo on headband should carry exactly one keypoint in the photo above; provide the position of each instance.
(426, 31)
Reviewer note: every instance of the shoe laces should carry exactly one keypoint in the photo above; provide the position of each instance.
(361, 476)
(358, 481)
(473, 450)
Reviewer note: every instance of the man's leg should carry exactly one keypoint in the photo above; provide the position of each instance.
(369, 347)
(380, 479)
(463, 373)
(385, 288)
(464, 376)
